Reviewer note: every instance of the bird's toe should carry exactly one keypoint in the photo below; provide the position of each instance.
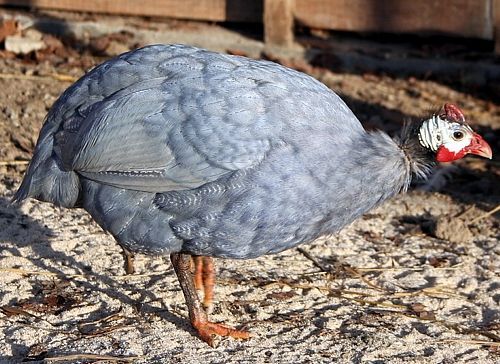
(208, 331)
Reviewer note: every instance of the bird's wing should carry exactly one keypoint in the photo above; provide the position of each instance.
(174, 117)
(161, 134)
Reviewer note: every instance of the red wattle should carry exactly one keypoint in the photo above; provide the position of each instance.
(444, 155)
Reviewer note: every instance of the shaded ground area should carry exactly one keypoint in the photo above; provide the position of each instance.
(416, 280)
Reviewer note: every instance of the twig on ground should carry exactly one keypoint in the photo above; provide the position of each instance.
(465, 212)
(313, 260)
(415, 269)
(350, 270)
(63, 275)
(106, 330)
(435, 292)
(14, 163)
(37, 327)
(472, 342)
(40, 273)
(491, 212)
(75, 357)
(49, 77)
(355, 273)
(375, 303)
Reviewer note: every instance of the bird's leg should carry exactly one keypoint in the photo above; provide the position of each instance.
(129, 261)
(206, 330)
(204, 279)
(198, 270)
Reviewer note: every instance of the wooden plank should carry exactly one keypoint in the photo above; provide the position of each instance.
(496, 24)
(278, 22)
(212, 10)
(469, 18)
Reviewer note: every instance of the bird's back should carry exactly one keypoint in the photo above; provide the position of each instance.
(180, 137)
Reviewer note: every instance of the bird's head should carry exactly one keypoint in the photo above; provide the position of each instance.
(450, 137)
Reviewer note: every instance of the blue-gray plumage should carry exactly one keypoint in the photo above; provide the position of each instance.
(174, 149)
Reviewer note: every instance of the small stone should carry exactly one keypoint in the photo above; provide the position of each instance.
(418, 307)
(452, 229)
(22, 45)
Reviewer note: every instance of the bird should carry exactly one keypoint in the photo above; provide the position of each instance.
(183, 152)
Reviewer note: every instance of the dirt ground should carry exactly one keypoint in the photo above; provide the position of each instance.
(415, 281)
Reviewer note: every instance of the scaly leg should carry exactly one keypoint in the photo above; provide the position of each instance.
(197, 315)
(204, 279)
(129, 261)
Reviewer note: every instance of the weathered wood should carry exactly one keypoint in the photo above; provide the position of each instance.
(278, 22)
(496, 24)
(469, 18)
(213, 10)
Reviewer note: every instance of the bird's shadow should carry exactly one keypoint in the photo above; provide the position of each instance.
(19, 231)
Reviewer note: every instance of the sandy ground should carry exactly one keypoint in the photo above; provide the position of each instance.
(414, 281)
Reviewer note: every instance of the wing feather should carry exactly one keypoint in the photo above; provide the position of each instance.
(166, 118)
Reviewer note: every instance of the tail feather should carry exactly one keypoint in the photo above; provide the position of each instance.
(46, 180)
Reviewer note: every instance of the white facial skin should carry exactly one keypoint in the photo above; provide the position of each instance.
(437, 132)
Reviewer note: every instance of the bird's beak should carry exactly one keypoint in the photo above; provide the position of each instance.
(480, 147)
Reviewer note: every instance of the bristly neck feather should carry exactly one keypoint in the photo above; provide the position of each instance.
(421, 160)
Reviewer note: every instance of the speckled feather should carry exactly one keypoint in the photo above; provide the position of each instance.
(174, 148)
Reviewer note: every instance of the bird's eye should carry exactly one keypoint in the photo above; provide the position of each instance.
(458, 135)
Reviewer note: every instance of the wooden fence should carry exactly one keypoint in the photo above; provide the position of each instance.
(467, 18)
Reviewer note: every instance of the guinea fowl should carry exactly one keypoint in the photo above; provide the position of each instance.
(182, 151)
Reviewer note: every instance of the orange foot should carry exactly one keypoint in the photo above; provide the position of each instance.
(209, 330)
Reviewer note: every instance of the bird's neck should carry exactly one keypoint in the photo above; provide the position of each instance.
(420, 159)
(382, 167)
